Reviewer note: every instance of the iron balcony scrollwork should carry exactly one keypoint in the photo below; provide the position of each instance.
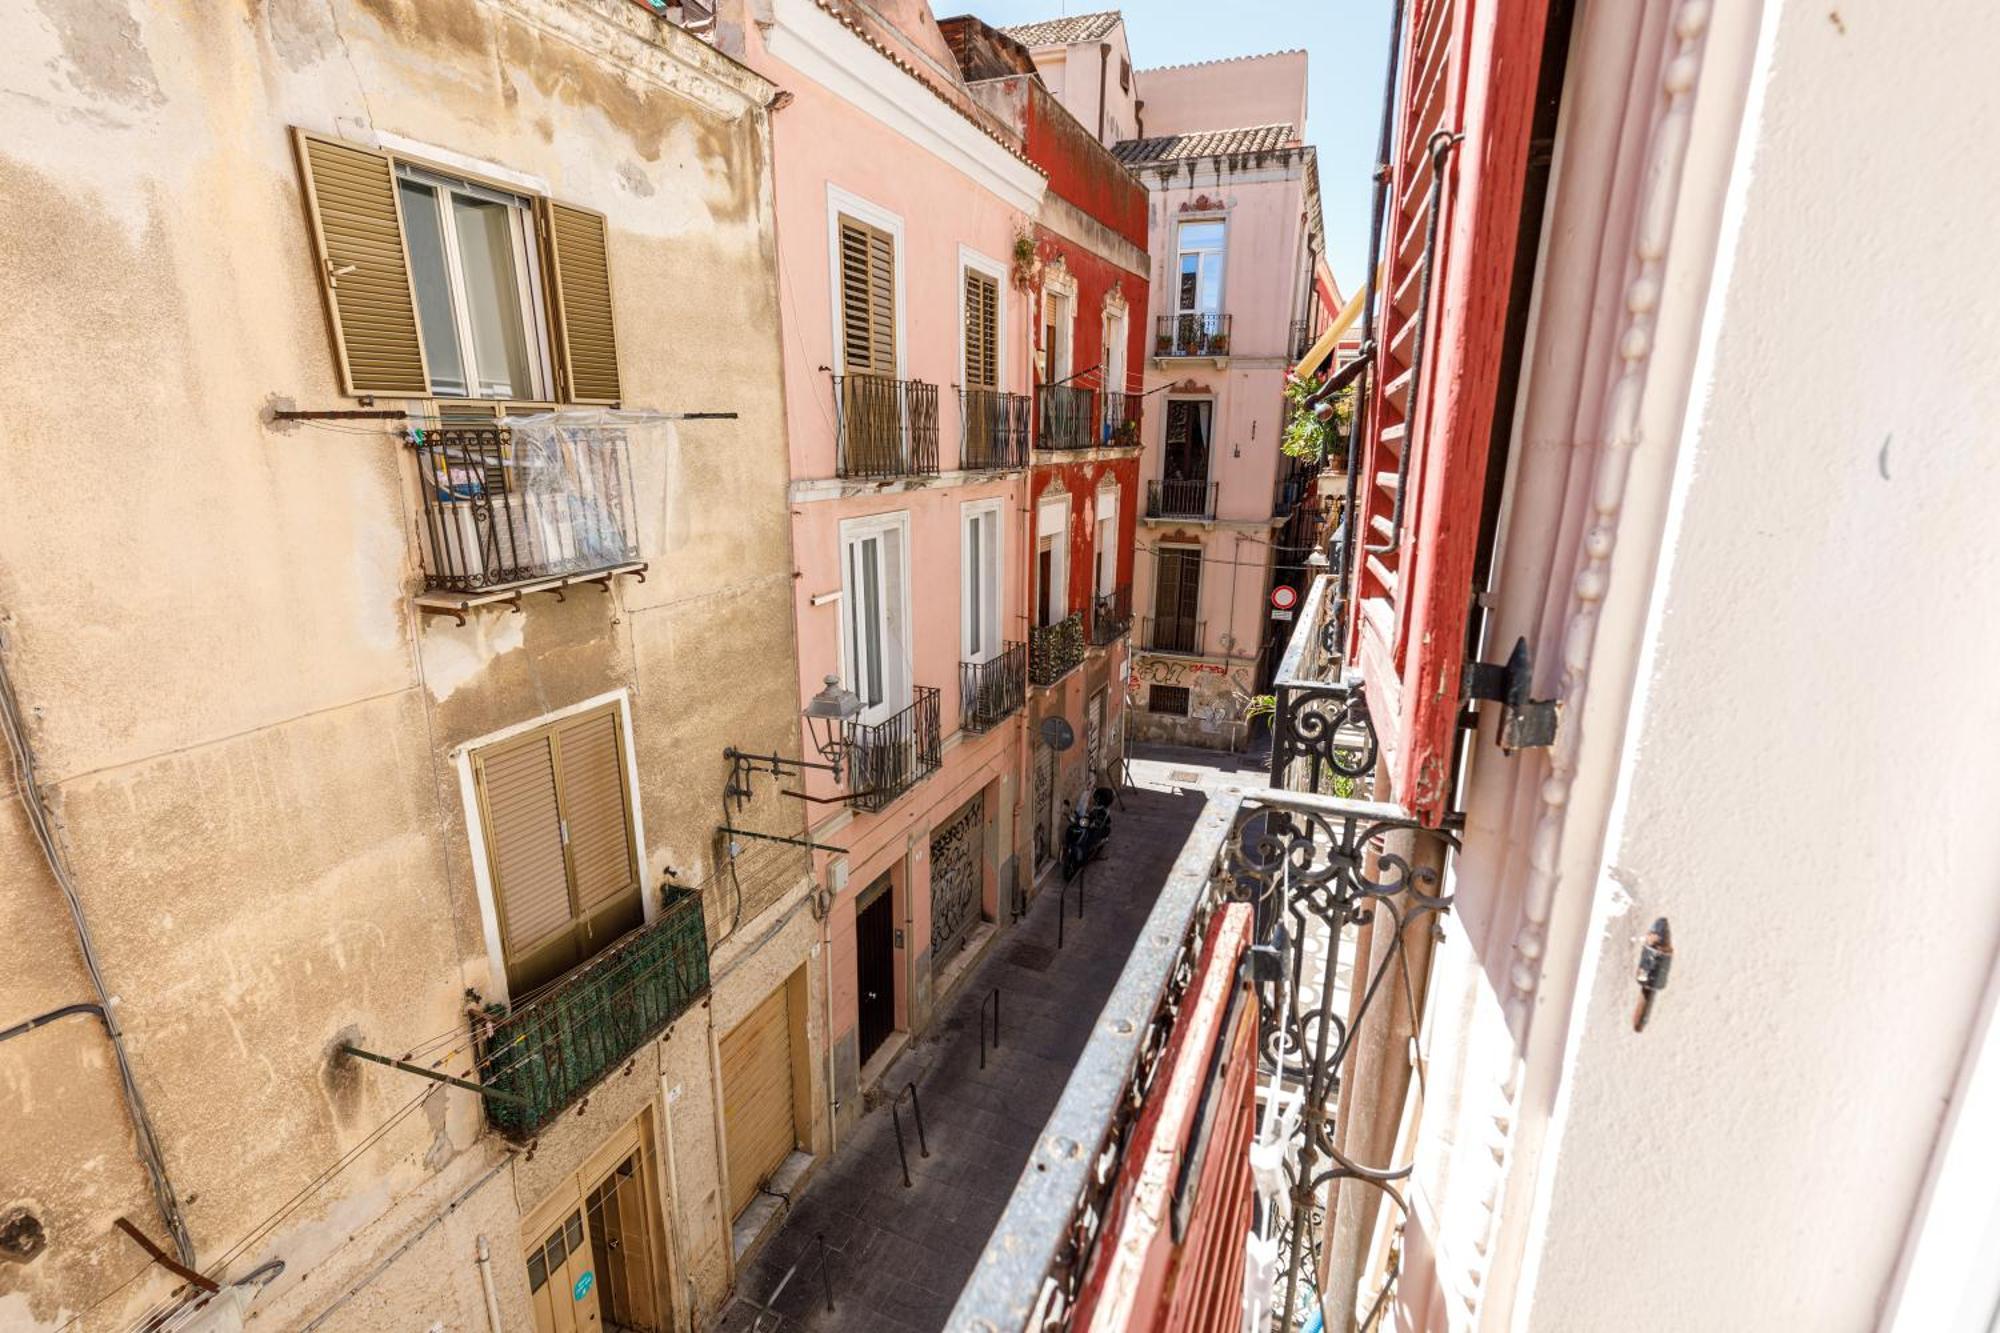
(1055, 650)
(1068, 417)
(885, 427)
(1111, 615)
(1322, 738)
(993, 429)
(887, 758)
(989, 692)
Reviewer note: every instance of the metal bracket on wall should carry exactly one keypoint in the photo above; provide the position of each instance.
(1525, 724)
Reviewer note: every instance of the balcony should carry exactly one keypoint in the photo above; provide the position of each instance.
(1303, 339)
(1322, 740)
(989, 692)
(886, 428)
(549, 1050)
(1180, 499)
(1111, 614)
(1186, 336)
(1121, 420)
(887, 758)
(1174, 634)
(993, 429)
(1068, 417)
(1055, 650)
(505, 509)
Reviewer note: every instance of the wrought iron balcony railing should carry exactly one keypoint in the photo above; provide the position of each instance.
(1172, 634)
(1111, 614)
(1121, 419)
(993, 429)
(1191, 335)
(887, 758)
(503, 507)
(550, 1049)
(1322, 740)
(1303, 338)
(993, 690)
(1068, 417)
(1055, 650)
(1180, 499)
(886, 428)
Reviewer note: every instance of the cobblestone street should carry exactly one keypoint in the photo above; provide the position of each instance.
(895, 1257)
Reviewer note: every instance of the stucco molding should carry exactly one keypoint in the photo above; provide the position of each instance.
(1618, 438)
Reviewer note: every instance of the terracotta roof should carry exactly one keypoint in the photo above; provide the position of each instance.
(1061, 32)
(1206, 143)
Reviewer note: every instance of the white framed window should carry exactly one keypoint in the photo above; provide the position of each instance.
(480, 301)
(866, 312)
(875, 621)
(1114, 351)
(1198, 268)
(1052, 560)
(983, 333)
(1058, 334)
(1104, 543)
(984, 558)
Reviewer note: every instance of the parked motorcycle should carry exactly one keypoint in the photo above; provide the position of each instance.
(1086, 831)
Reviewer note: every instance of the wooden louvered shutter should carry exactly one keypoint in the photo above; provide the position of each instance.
(982, 319)
(579, 267)
(602, 867)
(867, 299)
(522, 810)
(757, 1097)
(357, 235)
(1414, 584)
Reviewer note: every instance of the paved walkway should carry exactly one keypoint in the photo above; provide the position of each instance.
(897, 1257)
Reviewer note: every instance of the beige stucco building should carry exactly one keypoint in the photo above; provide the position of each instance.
(351, 709)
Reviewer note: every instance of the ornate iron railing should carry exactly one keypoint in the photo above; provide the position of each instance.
(1312, 868)
(1303, 339)
(1121, 419)
(1111, 614)
(1191, 335)
(553, 1047)
(887, 758)
(1174, 634)
(1068, 417)
(886, 428)
(1055, 650)
(991, 691)
(1322, 740)
(1180, 499)
(502, 507)
(993, 429)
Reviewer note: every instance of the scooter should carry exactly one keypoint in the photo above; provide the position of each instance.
(1087, 831)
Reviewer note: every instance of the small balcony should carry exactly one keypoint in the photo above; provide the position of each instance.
(1190, 335)
(989, 692)
(1068, 417)
(1121, 420)
(993, 429)
(886, 428)
(1055, 650)
(505, 509)
(1111, 614)
(1303, 339)
(1174, 634)
(548, 1051)
(887, 758)
(1180, 499)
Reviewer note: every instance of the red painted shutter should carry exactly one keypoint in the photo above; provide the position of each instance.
(1470, 67)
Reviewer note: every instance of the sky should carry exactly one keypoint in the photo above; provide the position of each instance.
(1345, 43)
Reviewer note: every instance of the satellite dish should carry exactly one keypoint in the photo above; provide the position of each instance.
(1057, 733)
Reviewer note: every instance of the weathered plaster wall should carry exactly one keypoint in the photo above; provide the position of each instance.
(247, 732)
(1225, 94)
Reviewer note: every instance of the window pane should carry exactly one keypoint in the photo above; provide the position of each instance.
(423, 230)
(868, 610)
(975, 585)
(493, 296)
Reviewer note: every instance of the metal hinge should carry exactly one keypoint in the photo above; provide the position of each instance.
(1525, 724)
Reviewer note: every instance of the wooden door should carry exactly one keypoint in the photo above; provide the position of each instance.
(562, 1283)
(621, 1243)
(875, 967)
(757, 1098)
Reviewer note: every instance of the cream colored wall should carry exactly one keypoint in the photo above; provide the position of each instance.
(1225, 94)
(248, 734)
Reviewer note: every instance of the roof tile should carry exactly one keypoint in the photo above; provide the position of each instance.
(1206, 143)
(1063, 31)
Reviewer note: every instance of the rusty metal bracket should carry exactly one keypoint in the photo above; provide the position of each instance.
(1656, 961)
(1525, 724)
(165, 1260)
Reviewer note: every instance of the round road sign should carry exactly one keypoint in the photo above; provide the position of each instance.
(1284, 597)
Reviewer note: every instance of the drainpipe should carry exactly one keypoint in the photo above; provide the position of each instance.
(1103, 77)
(33, 802)
(485, 1262)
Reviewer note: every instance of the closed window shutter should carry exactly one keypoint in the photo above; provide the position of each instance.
(580, 271)
(1414, 585)
(357, 235)
(867, 299)
(524, 842)
(982, 316)
(757, 1098)
(593, 802)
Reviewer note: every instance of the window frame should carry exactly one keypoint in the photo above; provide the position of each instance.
(992, 621)
(858, 209)
(1221, 252)
(531, 282)
(898, 689)
(972, 261)
(1059, 607)
(1106, 572)
(1186, 699)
